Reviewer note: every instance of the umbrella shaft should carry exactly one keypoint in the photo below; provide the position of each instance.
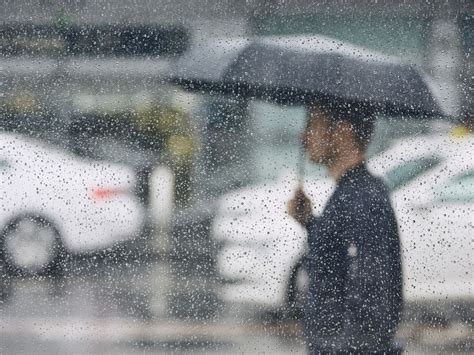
(300, 165)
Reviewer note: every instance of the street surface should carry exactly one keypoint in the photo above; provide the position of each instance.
(132, 307)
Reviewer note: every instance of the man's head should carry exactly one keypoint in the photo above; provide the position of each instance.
(336, 128)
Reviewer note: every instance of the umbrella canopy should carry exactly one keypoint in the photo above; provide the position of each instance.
(296, 69)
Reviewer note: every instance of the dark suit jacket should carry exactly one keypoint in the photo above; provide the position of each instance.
(354, 267)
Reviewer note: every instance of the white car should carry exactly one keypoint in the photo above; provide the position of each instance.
(432, 184)
(51, 202)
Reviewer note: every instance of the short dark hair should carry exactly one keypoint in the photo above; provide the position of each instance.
(360, 115)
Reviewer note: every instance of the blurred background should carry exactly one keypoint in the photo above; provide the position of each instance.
(139, 218)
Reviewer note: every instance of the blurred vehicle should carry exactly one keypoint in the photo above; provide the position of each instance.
(431, 179)
(52, 202)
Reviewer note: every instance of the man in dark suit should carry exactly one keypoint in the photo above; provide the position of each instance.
(354, 300)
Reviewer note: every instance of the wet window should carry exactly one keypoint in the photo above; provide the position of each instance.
(236, 177)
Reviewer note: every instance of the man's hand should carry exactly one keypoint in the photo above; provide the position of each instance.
(300, 207)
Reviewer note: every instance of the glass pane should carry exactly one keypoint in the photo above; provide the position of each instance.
(236, 177)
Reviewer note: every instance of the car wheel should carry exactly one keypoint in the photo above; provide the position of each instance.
(31, 246)
(296, 295)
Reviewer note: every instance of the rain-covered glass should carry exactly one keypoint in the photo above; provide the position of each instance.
(236, 177)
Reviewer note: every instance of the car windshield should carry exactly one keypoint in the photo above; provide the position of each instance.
(458, 189)
(404, 173)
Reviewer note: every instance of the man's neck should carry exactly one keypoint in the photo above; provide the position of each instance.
(339, 167)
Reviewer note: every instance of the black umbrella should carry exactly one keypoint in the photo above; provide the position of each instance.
(301, 68)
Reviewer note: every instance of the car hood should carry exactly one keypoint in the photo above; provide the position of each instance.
(259, 212)
(43, 165)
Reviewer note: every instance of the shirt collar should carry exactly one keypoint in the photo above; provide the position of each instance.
(353, 173)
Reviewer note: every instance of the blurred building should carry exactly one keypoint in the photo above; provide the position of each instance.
(428, 33)
(82, 70)
(88, 75)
